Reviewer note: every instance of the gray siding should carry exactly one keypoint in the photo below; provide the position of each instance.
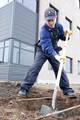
(4, 70)
(24, 24)
(6, 21)
(17, 72)
(17, 22)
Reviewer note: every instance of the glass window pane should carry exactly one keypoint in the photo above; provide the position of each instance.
(78, 33)
(68, 24)
(1, 54)
(16, 43)
(16, 55)
(27, 47)
(26, 57)
(6, 51)
(3, 2)
(1, 44)
(30, 4)
(7, 43)
(79, 67)
(68, 65)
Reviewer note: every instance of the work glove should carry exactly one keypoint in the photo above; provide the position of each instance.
(69, 32)
(60, 58)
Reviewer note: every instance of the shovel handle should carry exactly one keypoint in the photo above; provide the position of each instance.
(59, 75)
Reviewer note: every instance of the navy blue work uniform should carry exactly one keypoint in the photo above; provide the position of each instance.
(47, 49)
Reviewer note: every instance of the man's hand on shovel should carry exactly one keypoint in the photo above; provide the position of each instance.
(61, 58)
(69, 32)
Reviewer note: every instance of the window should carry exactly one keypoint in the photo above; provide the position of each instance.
(26, 54)
(68, 24)
(68, 65)
(78, 67)
(4, 50)
(26, 57)
(1, 55)
(78, 3)
(78, 33)
(23, 53)
(16, 55)
(16, 52)
(57, 11)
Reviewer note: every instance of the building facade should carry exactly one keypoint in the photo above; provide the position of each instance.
(69, 16)
(17, 38)
(20, 23)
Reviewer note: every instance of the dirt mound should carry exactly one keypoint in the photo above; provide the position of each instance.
(13, 107)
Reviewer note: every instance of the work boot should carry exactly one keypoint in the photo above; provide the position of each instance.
(22, 93)
(71, 94)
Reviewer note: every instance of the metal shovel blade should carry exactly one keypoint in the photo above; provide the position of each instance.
(46, 110)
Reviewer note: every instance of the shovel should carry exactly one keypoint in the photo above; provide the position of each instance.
(47, 109)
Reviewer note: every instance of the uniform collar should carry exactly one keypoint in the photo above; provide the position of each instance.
(49, 28)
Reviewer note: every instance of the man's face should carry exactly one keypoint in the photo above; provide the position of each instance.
(51, 23)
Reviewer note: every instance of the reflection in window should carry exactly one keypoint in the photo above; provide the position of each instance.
(6, 43)
(1, 44)
(27, 47)
(16, 43)
(16, 55)
(6, 51)
(68, 65)
(23, 53)
(26, 54)
(26, 57)
(1, 54)
(1, 51)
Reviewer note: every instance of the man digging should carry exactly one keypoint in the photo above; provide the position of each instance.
(47, 49)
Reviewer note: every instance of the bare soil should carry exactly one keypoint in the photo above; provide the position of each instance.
(13, 107)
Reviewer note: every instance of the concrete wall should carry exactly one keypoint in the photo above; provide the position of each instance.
(69, 9)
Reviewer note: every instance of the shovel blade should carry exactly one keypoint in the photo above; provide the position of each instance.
(45, 110)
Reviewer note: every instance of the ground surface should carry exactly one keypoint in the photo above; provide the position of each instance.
(13, 107)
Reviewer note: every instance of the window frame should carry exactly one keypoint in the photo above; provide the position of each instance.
(79, 3)
(4, 51)
(70, 22)
(78, 66)
(20, 48)
(71, 65)
(78, 28)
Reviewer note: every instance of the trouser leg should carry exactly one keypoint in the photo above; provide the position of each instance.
(64, 82)
(34, 70)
